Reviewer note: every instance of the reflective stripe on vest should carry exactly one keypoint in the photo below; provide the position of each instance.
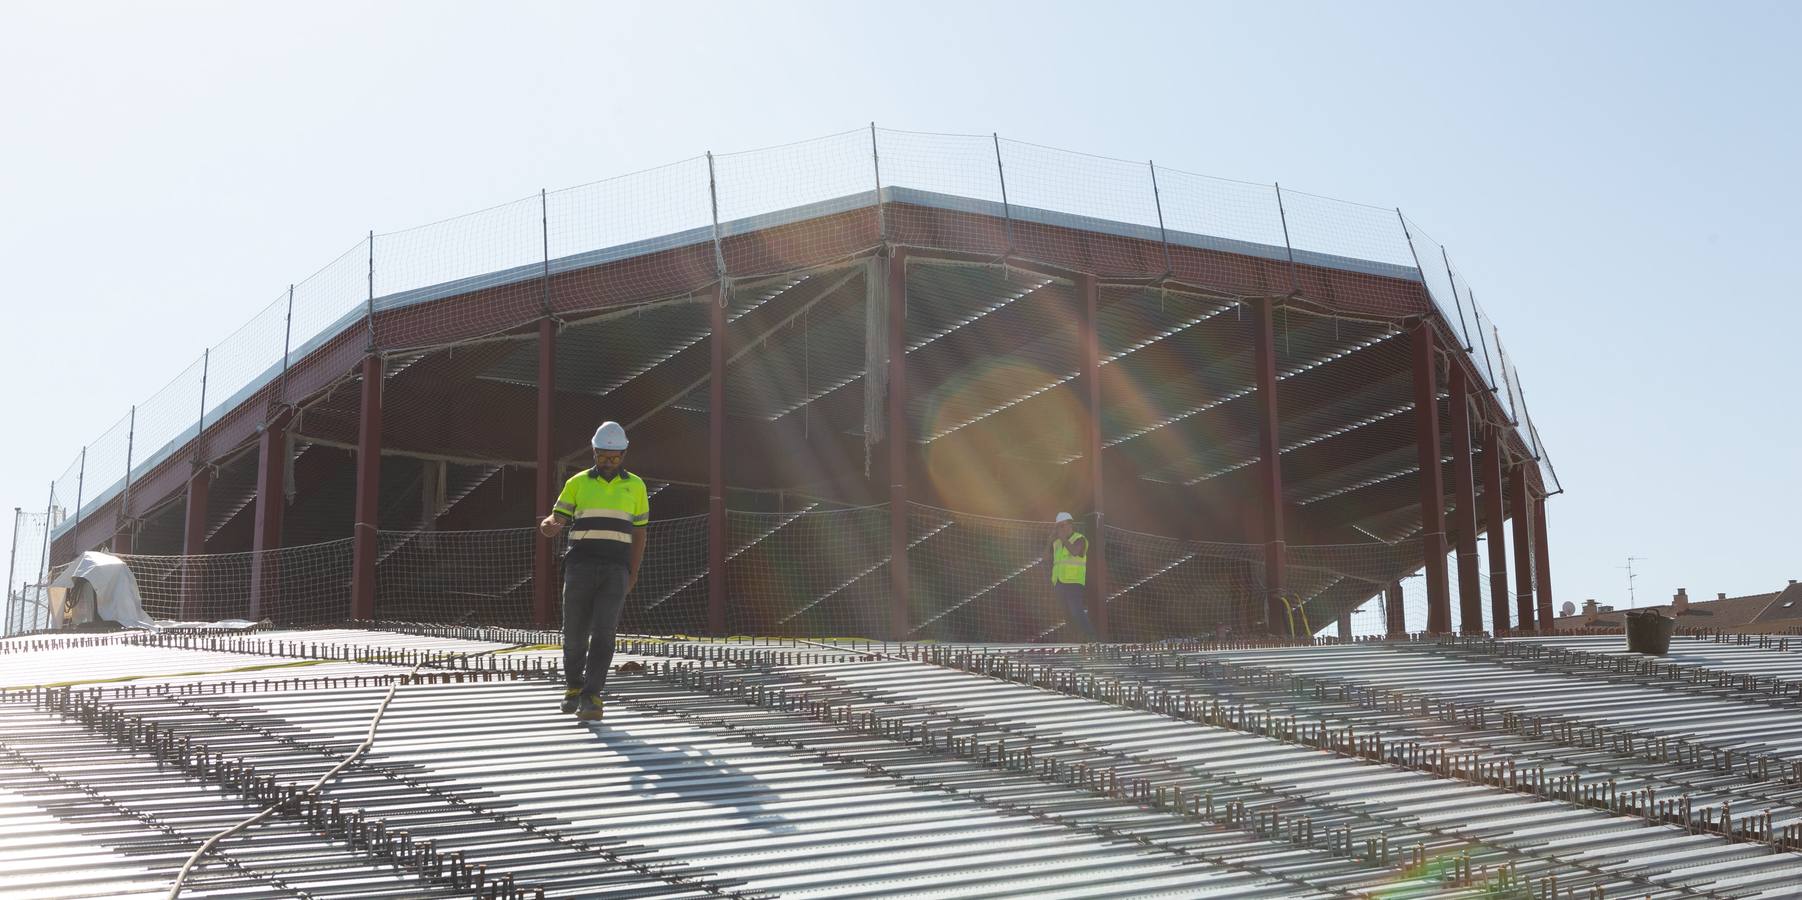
(1067, 568)
(603, 512)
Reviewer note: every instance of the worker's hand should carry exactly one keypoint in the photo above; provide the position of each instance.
(631, 582)
(550, 526)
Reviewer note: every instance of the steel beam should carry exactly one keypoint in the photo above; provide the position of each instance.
(1464, 486)
(1270, 462)
(1493, 491)
(900, 438)
(1523, 548)
(272, 473)
(1542, 565)
(544, 477)
(368, 506)
(1393, 610)
(1432, 487)
(1089, 290)
(716, 460)
(194, 538)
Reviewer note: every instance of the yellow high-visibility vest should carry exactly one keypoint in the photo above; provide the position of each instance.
(1067, 567)
(603, 513)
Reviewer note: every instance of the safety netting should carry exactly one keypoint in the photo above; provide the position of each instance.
(810, 568)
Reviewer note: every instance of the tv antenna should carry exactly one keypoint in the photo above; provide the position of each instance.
(1632, 599)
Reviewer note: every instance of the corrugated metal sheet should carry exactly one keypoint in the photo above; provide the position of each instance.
(804, 770)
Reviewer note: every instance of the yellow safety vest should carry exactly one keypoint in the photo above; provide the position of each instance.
(1066, 567)
(602, 513)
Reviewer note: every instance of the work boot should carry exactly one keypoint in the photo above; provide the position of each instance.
(570, 698)
(588, 709)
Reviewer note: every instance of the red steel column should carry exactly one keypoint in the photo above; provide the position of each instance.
(900, 439)
(1493, 489)
(1542, 565)
(1523, 547)
(1393, 610)
(369, 475)
(716, 462)
(544, 478)
(1090, 290)
(1464, 485)
(1270, 465)
(272, 453)
(194, 538)
(1432, 487)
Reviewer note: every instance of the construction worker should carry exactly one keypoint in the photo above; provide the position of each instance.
(1070, 574)
(606, 510)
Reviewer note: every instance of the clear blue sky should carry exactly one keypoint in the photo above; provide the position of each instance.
(1617, 179)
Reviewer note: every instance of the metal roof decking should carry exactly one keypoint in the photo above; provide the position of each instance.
(797, 769)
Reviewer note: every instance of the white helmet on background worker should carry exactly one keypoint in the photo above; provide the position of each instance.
(1062, 518)
(610, 437)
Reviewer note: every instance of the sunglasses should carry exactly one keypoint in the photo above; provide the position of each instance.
(609, 456)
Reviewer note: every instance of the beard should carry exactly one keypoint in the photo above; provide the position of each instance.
(608, 470)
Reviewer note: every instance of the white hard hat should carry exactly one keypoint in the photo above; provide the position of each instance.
(610, 436)
(1064, 517)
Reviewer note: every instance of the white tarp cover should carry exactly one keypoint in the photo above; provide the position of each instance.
(115, 591)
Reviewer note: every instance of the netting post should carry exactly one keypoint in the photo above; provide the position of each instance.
(1452, 280)
(1283, 216)
(44, 551)
(716, 462)
(1523, 547)
(194, 537)
(544, 235)
(1090, 289)
(122, 530)
(544, 564)
(81, 477)
(1157, 201)
(876, 169)
(899, 437)
(1464, 487)
(12, 566)
(272, 466)
(1007, 209)
(1394, 613)
(368, 508)
(1345, 632)
(287, 346)
(1432, 480)
(1493, 490)
(1542, 565)
(369, 313)
(1270, 463)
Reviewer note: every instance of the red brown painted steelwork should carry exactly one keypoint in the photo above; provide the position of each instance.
(368, 506)
(544, 477)
(1542, 565)
(1270, 463)
(1493, 490)
(1394, 611)
(1523, 546)
(1089, 291)
(1464, 486)
(194, 536)
(672, 272)
(900, 441)
(716, 460)
(1432, 487)
(272, 449)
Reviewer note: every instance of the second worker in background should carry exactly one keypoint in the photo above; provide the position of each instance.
(606, 510)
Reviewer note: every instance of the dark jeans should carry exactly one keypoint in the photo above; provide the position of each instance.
(593, 595)
(1076, 612)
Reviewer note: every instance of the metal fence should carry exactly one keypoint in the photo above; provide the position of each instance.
(697, 200)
